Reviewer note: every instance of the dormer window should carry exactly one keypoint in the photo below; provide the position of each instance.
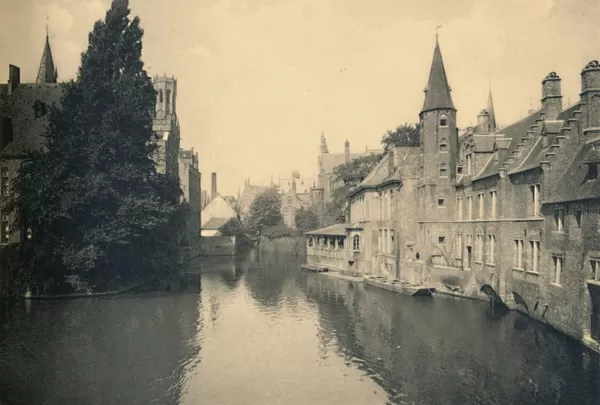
(443, 120)
(592, 173)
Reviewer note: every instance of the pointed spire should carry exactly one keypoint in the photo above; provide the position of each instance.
(437, 93)
(323, 148)
(47, 73)
(490, 108)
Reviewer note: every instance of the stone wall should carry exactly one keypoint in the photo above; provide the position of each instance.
(218, 246)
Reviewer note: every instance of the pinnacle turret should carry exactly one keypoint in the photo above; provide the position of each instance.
(437, 93)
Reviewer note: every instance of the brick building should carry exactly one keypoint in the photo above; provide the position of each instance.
(166, 125)
(189, 178)
(512, 210)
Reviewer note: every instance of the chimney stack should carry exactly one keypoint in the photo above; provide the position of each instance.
(551, 96)
(483, 122)
(347, 151)
(14, 78)
(213, 186)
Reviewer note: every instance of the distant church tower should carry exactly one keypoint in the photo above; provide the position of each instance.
(166, 125)
(47, 73)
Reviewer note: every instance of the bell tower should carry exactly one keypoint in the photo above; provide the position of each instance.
(166, 125)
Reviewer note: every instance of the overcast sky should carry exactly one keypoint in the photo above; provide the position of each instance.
(258, 80)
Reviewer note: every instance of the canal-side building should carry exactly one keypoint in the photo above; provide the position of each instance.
(512, 211)
(293, 200)
(189, 178)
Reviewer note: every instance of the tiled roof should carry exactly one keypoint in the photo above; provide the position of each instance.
(538, 152)
(29, 129)
(484, 143)
(215, 223)
(333, 230)
(573, 185)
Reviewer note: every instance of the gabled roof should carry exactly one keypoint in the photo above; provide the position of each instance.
(215, 223)
(437, 94)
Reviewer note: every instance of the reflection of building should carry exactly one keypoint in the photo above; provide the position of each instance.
(513, 209)
(166, 125)
(189, 178)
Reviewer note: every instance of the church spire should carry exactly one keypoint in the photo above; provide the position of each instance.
(490, 108)
(437, 93)
(47, 73)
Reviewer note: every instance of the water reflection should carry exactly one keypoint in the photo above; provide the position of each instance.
(444, 351)
(126, 350)
(260, 331)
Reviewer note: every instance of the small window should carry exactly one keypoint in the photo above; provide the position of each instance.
(459, 170)
(577, 215)
(341, 243)
(160, 96)
(444, 145)
(558, 266)
(559, 219)
(440, 202)
(332, 243)
(443, 170)
(592, 173)
(443, 121)
(595, 263)
(441, 239)
(356, 243)
(310, 241)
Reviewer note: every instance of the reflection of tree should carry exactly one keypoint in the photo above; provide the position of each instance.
(440, 351)
(266, 279)
(119, 350)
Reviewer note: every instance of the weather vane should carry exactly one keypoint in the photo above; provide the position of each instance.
(437, 34)
(47, 19)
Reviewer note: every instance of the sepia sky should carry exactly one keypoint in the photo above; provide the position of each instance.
(258, 80)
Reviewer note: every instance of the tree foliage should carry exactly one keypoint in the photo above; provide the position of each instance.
(306, 220)
(233, 227)
(97, 209)
(265, 212)
(403, 135)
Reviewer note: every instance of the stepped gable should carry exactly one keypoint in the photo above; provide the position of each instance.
(514, 132)
(538, 152)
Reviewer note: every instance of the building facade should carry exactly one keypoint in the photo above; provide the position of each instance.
(189, 177)
(166, 125)
(508, 212)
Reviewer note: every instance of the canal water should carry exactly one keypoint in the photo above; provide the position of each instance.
(261, 331)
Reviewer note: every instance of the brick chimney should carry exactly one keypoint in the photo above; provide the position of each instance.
(347, 151)
(213, 186)
(14, 78)
(551, 96)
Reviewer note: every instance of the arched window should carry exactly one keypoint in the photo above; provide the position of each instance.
(443, 120)
(595, 112)
(356, 243)
(444, 145)
(168, 101)
(160, 96)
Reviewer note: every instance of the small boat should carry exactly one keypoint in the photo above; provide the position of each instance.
(314, 269)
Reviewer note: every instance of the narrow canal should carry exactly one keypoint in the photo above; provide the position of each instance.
(264, 332)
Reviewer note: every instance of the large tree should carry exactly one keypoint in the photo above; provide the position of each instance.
(403, 135)
(306, 220)
(347, 176)
(265, 212)
(98, 211)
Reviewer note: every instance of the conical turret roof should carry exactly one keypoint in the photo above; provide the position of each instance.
(47, 73)
(437, 93)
